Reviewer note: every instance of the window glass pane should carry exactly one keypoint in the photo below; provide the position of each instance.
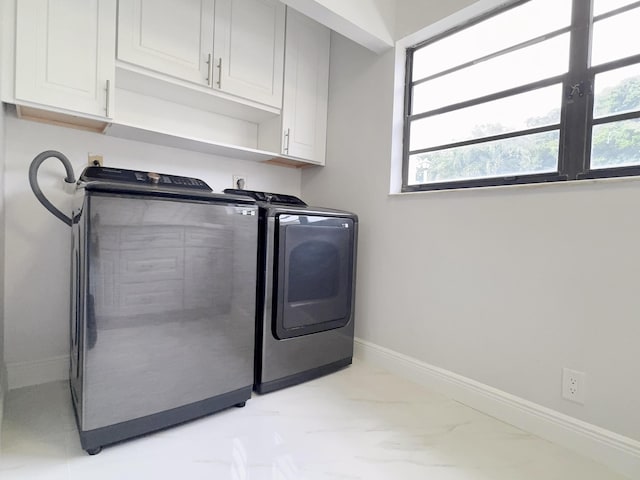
(512, 27)
(615, 37)
(616, 144)
(513, 156)
(604, 6)
(528, 110)
(617, 91)
(521, 67)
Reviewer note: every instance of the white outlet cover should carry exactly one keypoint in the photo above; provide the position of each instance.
(574, 385)
(240, 177)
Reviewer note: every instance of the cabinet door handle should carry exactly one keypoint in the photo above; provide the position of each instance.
(287, 135)
(219, 82)
(210, 70)
(108, 94)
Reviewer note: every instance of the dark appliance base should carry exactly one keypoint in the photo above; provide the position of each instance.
(93, 440)
(266, 387)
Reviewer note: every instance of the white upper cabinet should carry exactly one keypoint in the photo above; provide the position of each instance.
(306, 85)
(249, 49)
(65, 55)
(174, 38)
(232, 46)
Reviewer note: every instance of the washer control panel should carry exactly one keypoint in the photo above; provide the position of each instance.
(135, 177)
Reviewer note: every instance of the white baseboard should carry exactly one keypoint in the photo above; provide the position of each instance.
(3, 389)
(4, 383)
(618, 452)
(24, 374)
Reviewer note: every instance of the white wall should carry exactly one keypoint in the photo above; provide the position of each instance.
(370, 23)
(36, 304)
(375, 16)
(412, 15)
(505, 286)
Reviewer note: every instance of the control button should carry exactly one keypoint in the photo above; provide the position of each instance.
(153, 177)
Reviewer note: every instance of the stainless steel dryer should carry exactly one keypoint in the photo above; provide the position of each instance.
(306, 286)
(163, 302)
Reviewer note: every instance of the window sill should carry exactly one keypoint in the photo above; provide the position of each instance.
(523, 186)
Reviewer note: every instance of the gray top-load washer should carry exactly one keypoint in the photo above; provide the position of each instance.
(163, 302)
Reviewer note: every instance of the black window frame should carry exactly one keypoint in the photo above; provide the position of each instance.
(576, 110)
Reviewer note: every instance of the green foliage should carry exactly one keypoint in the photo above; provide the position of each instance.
(518, 155)
(613, 144)
(616, 144)
(624, 97)
(549, 119)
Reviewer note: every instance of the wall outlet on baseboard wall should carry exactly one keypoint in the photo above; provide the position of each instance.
(573, 385)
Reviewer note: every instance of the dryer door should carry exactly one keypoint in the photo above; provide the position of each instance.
(314, 274)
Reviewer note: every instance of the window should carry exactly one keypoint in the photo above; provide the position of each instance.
(545, 90)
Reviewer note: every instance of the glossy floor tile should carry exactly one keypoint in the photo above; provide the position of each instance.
(360, 423)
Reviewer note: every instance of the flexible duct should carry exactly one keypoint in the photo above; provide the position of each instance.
(33, 181)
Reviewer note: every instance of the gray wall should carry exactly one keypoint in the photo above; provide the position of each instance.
(3, 376)
(3, 371)
(506, 285)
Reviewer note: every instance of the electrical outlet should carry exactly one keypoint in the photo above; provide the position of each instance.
(240, 182)
(95, 160)
(573, 385)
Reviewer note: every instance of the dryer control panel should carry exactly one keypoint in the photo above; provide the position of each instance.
(273, 198)
(135, 177)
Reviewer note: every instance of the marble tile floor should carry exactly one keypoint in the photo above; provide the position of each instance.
(359, 423)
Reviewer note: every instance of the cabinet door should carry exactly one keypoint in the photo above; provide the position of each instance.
(249, 49)
(168, 36)
(306, 84)
(65, 54)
